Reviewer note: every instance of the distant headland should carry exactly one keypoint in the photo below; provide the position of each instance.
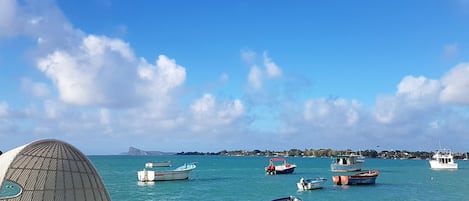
(138, 152)
(320, 153)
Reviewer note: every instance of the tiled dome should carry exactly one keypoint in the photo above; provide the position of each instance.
(52, 170)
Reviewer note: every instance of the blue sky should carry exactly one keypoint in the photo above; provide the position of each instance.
(212, 75)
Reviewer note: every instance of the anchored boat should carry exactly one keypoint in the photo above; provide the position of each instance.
(365, 177)
(283, 168)
(180, 173)
(311, 184)
(443, 159)
(346, 163)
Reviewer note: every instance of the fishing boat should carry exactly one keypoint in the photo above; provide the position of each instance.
(289, 198)
(346, 163)
(443, 159)
(365, 177)
(283, 168)
(311, 184)
(158, 164)
(180, 173)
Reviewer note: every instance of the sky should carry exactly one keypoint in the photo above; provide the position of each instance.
(211, 75)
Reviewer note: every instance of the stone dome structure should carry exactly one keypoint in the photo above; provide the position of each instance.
(49, 170)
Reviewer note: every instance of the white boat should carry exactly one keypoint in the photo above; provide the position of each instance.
(180, 173)
(158, 164)
(346, 163)
(311, 184)
(443, 159)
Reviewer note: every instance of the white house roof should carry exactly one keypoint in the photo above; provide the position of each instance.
(51, 170)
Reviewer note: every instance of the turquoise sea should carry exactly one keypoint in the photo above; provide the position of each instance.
(243, 178)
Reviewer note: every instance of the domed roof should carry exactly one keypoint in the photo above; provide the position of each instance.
(50, 170)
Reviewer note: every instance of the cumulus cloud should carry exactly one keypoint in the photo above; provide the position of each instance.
(101, 72)
(419, 91)
(255, 78)
(208, 114)
(158, 83)
(326, 112)
(258, 75)
(273, 70)
(456, 85)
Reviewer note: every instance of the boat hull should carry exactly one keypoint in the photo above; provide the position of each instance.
(181, 173)
(285, 171)
(346, 168)
(363, 178)
(434, 164)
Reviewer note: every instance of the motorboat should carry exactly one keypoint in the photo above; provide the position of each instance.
(443, 159)
(311, 184)
(180, 173)
(365, 177)
(279, 166)
(346, 163)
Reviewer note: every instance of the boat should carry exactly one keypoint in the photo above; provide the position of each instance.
(361, 178)
(283, 168)
(346, 163)
(158, 164)
(180, 173)
(465, 159)
(311, 184)
(289, 198)
(443, 159)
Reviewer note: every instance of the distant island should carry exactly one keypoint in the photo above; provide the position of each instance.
(138, 152)
(320, 153)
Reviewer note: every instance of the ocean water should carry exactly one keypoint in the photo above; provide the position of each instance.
(243, 178)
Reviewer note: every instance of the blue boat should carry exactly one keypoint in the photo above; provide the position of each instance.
(366, 177)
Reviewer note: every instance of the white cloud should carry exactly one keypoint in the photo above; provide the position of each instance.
(385, 109)
(209, 115)
(101, 72)
(255, 78)
(158, 82)
(456, 85)
(324, 113)
(257, 75)
(419, 91)
(273, 71)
